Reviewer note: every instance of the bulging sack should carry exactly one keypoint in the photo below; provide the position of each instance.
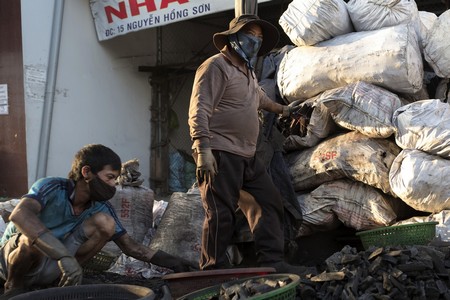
(307, 22)
(363, 107)
(369, 15)
(134, 208)
(180, 230)
(349, 155)
(424, 125)
(436, 46)
(419, 179)
(388, 57)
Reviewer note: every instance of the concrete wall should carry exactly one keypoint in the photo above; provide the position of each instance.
(100, 96)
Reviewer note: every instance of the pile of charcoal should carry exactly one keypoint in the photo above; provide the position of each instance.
(250, 288)
(395, 272)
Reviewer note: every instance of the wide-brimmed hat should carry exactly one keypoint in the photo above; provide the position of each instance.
(270, 33)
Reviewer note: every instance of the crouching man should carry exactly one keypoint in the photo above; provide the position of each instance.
(62, 222)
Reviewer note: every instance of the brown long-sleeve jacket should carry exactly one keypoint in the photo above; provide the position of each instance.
(223, 111)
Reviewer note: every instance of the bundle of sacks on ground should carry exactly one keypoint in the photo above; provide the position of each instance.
(369, 144)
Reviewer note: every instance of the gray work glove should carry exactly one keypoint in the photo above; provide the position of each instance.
(177, 264)
(206, 165)
(287, 111)
(72, 273)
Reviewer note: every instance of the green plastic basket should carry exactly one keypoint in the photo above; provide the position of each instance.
(100, 262)
(400, 235)
(287, 292)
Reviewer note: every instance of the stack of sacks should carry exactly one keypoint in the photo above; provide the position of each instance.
(354, 75)
(388, 56)
(418, 174)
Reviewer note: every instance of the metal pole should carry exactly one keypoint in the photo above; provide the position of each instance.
(52, 69)
(248, 7)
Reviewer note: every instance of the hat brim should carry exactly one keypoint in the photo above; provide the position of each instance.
(270, 36)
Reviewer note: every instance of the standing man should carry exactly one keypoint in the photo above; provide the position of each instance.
(224, 126)
(62, 222)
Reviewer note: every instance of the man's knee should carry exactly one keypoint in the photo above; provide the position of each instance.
(100, 223)
(22, 247)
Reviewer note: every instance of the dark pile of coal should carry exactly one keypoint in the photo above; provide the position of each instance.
(395, 272)
(251, 287)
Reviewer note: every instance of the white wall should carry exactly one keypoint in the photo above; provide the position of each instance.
(100, 95)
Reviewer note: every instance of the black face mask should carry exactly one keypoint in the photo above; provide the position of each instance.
(100, 190)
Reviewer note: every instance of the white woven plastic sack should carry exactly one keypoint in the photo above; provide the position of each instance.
(420, 180)
(358, 205)
(437, 45)
(427, 18)
(349, 155)
(424, 125)
(307, 22)
(369, 15)
(363, 107)
(387, 57)
(317, 214)
(180, 230)
(134, 208)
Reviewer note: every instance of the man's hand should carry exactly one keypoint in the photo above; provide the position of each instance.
(72, 274)
(206, 165)
(287, 111)
(177, 264)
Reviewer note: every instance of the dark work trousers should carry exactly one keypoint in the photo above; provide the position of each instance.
(220, 201)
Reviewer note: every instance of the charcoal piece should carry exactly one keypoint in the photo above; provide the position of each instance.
(395, 252)
(387, 285)
(441, 286)
(307, 293)
(376, 252)
(432, 292)
(328, 276)
(412, 266)
(438, 263)
(397, 295)
(390, 259)
(397, 284)
(366, 283)
(337, 292)
(375, 265)
(349, 258)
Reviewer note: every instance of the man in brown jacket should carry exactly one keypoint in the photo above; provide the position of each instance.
(224, 126)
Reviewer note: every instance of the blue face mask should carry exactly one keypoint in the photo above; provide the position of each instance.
(246, 45)
(250, 44)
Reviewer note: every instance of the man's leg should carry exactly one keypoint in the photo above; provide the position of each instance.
(268, 231)
(19, 258)
(98, 230)
(220, 203)
(268, 228)
(84, 242)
